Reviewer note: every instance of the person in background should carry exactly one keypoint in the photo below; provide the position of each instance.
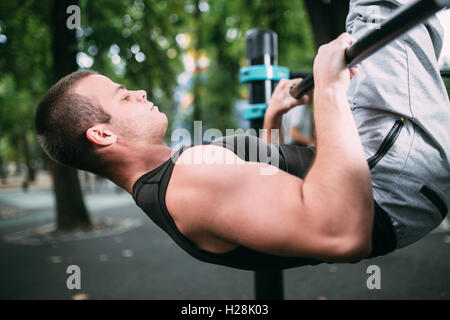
(298, 126)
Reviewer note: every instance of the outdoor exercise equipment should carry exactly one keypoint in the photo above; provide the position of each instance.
(303, 74)
(262, 74)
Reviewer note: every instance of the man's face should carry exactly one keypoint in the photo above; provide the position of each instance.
(134, 119)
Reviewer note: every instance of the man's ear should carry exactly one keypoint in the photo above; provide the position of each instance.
(101, 136)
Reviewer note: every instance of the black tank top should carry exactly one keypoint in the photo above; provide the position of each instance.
(149, 192)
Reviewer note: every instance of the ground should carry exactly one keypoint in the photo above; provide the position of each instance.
(128, 257)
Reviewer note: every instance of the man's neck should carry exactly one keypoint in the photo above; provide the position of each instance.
(127, 169)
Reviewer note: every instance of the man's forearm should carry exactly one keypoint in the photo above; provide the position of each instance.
(336, 129)
(339, 180)
(280, 103)
(273, 121)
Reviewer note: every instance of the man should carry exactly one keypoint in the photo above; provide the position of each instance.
(215, 210)
(297, 125)
(228, 212)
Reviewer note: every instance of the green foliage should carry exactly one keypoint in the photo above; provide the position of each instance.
(134, 42)
(447, 85)
(289, 20)
(24, 64)
(227, 23)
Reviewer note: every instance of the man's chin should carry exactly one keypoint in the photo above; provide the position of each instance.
(165, 123)
(165, 119)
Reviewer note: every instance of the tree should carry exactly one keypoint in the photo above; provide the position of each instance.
(134, 42)
(224, 45)
(36, 54)
(327, 19)
(23, 63)
(198, 35)
(71, 211)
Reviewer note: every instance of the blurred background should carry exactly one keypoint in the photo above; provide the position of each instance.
(187, 56)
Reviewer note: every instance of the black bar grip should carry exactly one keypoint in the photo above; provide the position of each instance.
(298, 74)
(403, 20)
(445, 73)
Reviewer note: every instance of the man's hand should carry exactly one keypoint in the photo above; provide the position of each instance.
(279, 104)
(330, 68)
(282, 101)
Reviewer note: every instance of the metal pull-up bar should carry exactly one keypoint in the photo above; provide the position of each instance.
(303, 74)
(402, 21)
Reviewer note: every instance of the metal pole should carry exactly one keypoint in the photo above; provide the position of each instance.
(302, 74)
(402, 21)
(262, 49)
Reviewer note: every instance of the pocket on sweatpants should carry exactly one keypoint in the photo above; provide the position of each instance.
(387, 143)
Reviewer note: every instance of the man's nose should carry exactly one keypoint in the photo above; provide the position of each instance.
(141, 95)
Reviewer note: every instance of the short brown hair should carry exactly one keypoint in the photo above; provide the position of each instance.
(62, 119)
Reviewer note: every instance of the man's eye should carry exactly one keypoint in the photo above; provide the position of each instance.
(126, 98)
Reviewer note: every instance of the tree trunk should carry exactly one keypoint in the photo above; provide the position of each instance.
(272, 12)
(3, 170)
(197, 114)
(327, 18)
(30, 175)
(71, 211)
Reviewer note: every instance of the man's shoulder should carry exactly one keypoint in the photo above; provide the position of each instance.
(200, 168)
(197, 179)
(208, 169)
(203, 158)
(191, 196)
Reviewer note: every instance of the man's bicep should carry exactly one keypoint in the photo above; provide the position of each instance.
(264, 212)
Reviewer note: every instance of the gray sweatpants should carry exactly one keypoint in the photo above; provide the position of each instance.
(402, 112)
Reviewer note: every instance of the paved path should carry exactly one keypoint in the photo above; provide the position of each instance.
(138, 261)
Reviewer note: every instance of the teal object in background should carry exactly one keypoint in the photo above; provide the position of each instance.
(262, 72)
(255, 111)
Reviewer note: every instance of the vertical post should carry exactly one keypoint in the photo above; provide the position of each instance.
(262, 49)
(269, 285)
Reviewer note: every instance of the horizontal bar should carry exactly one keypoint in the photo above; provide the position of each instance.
(302, 74)
(403, 20)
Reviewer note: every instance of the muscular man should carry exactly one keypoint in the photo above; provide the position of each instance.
(319, 208)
